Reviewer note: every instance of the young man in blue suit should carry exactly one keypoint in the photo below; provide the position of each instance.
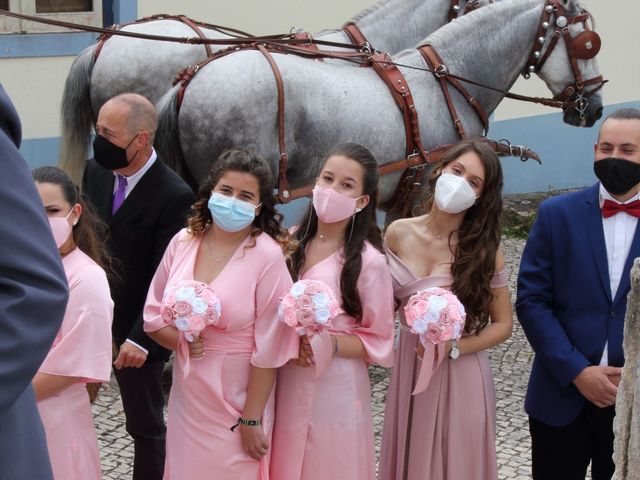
(572, 298)
(33, 298)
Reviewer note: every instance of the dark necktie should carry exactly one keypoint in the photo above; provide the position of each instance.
(118, 197)
(610, 208)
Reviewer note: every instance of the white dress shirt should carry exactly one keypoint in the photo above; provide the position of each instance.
(619, 230)
(132, 181)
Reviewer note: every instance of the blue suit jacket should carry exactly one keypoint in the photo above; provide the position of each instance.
(564, 302)
(33, 297)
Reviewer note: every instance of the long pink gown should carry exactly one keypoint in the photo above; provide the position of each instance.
(324, 425)
(81, 349)
(204, 406)
(448, 431)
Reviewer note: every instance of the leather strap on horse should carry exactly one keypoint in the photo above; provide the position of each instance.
(441, 73)
(399, 88)
(180, 18)
(356, 35)
(283, 183)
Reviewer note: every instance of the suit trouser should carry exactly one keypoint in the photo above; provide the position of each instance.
(142, 399)
(564, 453)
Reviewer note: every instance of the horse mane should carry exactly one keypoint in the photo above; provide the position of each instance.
(369, 10)
(483, 16)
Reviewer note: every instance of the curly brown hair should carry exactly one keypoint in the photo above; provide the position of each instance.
(268, 220)
(474, 257)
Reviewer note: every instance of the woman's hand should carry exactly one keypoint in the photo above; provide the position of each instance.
(254, 441)
(196, 347)
(305, 353)
(420, 350)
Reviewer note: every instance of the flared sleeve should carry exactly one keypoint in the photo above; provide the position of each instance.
(152, 318)
(376, 297)
(82, 347)
(275, 342)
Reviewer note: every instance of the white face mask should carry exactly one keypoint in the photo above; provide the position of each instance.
(453, 193)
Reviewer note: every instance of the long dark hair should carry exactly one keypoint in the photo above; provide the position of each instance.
(362, 227)
(246, 161)
(474, 257)
(89, 233)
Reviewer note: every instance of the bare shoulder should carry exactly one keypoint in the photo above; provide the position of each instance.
(400, 229)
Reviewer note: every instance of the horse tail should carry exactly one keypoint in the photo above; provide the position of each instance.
(77, 115)
(168, 136)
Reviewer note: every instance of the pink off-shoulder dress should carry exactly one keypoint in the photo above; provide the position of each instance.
(448, 431)
(324, 425)
(204, 405)
(82, 348)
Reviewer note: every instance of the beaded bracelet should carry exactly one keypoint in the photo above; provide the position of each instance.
(248, 423)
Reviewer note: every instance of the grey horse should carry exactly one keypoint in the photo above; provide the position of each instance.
(148, 67)
(232, 101)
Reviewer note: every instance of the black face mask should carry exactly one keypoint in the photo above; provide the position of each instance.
(617, 176)
(109, 155)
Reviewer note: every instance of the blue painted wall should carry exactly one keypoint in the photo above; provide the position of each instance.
(566, 152)
(61, 44)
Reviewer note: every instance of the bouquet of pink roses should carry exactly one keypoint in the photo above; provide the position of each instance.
(309, 307)
(190, 306)
(437, 316)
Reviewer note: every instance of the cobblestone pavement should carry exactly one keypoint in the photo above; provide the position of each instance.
(511, 364)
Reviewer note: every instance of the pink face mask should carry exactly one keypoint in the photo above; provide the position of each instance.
(60, 228)
(332, 206)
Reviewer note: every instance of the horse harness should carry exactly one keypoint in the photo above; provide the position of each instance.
(584, 46)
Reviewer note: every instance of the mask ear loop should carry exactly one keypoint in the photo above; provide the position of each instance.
(306, 230)
(353, 221)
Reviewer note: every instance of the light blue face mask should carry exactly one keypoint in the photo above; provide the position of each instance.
(231, 214)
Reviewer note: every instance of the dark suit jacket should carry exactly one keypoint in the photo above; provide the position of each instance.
(33, 298)
(564, 302)
(139, 233)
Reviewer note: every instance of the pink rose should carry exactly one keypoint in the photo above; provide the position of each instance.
(433, 333)
(335, 309)
(208, 295)
(288, 301)
(211, 316)
(421, 307)
(290, 317)
(167, 315)
(410, 317)
(169, 298)
(306, 317)
(197, 323)
(305, 302)
(312, 288)
(182, 308)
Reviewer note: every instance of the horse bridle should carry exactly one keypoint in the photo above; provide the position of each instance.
(583, 46)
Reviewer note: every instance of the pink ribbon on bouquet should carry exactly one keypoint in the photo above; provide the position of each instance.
(429, 365)
(183, 354)
(322, 348)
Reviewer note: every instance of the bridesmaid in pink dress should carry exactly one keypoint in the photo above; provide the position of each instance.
(324, 424)
(447, 432)
(234, 243)
(81, 352)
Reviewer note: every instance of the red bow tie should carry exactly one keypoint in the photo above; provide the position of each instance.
(610, 208)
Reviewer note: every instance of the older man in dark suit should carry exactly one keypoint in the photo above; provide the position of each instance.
(144, 203)
(33, 298)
